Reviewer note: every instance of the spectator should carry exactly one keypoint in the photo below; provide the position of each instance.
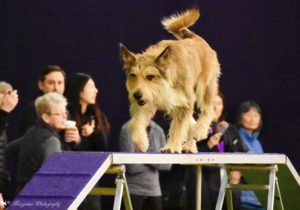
(223, 137)
(92, 124)
(249, 121)
(8, 100)
(43, 139)
(143, 179)
(51, 79)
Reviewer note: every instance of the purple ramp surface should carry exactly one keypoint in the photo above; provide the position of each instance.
(59, 181)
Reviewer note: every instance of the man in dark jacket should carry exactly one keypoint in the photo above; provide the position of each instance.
(51, 79)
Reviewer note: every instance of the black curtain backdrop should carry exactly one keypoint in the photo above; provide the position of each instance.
(257, 44)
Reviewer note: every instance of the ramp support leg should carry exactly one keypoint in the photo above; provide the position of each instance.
(198, 186)
(119, 193)
(271, 193)
(278, 195)
(222, 189)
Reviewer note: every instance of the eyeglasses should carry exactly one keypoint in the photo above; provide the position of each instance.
(65, 114)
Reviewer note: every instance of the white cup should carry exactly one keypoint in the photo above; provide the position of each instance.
(70, 124)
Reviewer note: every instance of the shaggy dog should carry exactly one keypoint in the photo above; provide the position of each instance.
(172, 76)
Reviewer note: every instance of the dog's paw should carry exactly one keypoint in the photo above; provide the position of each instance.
(189, 147)
(202, 135)
(171, 149)
(198, 133)
(141, 145)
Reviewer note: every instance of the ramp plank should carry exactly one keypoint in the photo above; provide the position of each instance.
(63, 181)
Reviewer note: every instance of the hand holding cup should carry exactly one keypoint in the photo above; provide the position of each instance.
(71, 132)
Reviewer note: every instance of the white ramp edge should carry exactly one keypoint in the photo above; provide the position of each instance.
(198, 158)
(293, 170)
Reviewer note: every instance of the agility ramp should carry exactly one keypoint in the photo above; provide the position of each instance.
(63, 181)
(67, 178)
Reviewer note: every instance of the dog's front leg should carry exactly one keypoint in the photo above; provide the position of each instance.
(189, 146)
(178, 131)
(140, 119)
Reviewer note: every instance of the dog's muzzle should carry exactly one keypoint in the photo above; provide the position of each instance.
(138, 96)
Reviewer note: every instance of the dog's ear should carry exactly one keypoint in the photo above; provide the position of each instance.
(163, 55)
(127, 57)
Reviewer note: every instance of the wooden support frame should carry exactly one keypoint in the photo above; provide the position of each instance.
(121, 190)
(227, 187)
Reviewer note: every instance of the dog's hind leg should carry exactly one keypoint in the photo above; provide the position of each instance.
(178, 131)
(206, 90)
(200, 130)
(189, 146)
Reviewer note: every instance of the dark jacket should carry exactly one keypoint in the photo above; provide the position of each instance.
(29, 118)
(96, 141)
(3, 117)
(4, 175)
(35, 147)
(232, 142)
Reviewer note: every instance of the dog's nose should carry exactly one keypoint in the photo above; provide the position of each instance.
(137, 95)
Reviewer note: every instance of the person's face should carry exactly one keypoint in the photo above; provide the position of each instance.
(251, 120)
(4, 92)
(53, 82)
(57, 118)
(218, 107)
(89, 93)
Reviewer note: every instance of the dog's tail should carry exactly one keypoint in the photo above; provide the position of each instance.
(177, 24)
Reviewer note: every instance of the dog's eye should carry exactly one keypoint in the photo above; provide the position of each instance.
(132, 76)
(150, 77)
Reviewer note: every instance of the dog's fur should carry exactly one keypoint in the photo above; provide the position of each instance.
(173, 76)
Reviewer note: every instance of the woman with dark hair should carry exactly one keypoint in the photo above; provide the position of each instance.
(222, 137)
(249, 122)
(93, 125)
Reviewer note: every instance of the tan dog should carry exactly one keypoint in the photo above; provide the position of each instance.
(173, 76)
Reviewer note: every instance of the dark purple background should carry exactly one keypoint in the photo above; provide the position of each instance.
(256, 41)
